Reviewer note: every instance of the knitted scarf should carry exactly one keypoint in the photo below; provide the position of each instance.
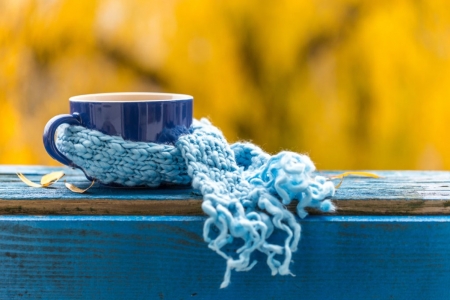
(245, 190)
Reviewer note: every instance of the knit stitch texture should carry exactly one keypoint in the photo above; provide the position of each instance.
(245, 190)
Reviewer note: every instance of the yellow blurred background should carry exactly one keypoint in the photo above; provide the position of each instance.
(355, 84)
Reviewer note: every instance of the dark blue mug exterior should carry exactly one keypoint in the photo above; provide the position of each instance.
(139, 117)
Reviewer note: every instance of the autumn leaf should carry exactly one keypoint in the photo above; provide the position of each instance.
(51, 178)
(76, 189)
(356, 174)
(46, 180)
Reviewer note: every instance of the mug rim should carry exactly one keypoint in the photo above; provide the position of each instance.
(133, 97)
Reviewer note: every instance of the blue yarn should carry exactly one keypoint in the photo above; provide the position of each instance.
(245, 190)
(110, 159)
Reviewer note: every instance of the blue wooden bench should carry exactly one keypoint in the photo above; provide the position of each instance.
(389, 239)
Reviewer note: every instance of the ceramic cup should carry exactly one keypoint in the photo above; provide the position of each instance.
(139, 117)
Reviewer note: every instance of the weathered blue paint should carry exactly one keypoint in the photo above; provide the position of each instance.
(129, 257)
(165, 257)
(394, 185)
(14, 189)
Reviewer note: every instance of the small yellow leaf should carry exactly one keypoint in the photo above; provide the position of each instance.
(27, 181)
(75, 189)
(359, 174)
(51, 178)
(340, 183)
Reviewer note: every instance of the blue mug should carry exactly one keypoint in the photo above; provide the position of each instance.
(139, 117)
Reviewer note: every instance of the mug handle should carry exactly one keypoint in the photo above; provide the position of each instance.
(49, 136)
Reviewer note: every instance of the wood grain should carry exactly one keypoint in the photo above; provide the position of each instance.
(125, 257)
(116, 243)
(396, 193)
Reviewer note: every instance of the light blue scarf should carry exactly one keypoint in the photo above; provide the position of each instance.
(245, 190)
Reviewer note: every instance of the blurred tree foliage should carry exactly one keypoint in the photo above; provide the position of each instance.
(355, 84)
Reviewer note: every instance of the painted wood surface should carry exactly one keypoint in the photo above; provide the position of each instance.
(396, 193)
(379, 245)
(125, 257)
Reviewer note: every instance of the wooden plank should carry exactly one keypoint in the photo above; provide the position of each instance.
(396, 193)
(122, 255)
(129, 257)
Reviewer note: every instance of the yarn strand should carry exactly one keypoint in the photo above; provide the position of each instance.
(245, 190)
